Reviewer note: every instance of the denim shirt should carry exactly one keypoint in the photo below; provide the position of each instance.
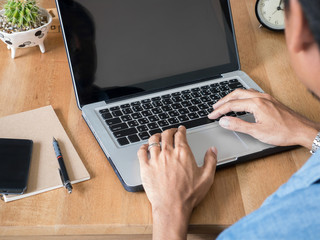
(292, 212)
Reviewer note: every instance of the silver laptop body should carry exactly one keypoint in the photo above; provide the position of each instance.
(232, 147)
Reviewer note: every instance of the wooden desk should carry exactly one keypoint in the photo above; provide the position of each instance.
(101, 206)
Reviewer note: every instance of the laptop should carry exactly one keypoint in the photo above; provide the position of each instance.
(141, 67)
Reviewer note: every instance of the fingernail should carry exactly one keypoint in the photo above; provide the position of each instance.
(216, 105)
(224, 122)
(211, 115)
(214, 150)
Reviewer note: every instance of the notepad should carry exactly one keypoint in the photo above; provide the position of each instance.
(40, 125)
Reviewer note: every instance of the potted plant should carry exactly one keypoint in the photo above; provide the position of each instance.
(23, 24)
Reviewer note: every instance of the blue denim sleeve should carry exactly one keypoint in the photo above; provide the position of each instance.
(292, 212)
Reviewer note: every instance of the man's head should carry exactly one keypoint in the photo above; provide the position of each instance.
(303, 40)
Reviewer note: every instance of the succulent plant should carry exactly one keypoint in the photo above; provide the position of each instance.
(22, 13)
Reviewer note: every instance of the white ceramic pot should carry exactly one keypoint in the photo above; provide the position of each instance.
(28, 38)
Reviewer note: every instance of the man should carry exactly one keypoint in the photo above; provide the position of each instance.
(175, 185)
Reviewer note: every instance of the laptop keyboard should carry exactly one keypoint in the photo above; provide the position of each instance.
(138, 120)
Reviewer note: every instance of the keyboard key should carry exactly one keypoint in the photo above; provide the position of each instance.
(136, 115)
(211, 103)
(118, 127)
(196, 94)
(223, 94)
(193, 115)
(205, 87)
(125, 132)
(123, 141)
(171, 126)
(125, 106)
(224, 88)
(156, 111)
(196, 101)
(133, 123)
(154, 131)
(104, 110)
(175, 94)
(176, 106)
(106, 115)
(183, 118)
(126, 118)
(157, 104)
(173, 120)
(117, 113)
(167, 101)
(195, 89)
(133, 138)
(146, 101)
(165, 96)
(143, 121)
(203, 106)
(233, 86)
(156, 99)
(137, 108)
(215, 96)
(209, 111)
(173, 113)
(127, 111)
(205, 92)
(163, 116)
(113, 121)
(112, 109)
(166, 108)
(144, 135)
(152, 125)
(223, 83)
(214, 85)
(215, 90)
(183, 111)
(163, 123)
(186, 104)
(186, 92)
(191, 124)
(146, 113)
(193, 109)
(137, 103)
(186, 97)
(153, 118)
(177, 99)
(142, 128)
(202, 113)
(234, 81)
(205, 99)
(147, 106)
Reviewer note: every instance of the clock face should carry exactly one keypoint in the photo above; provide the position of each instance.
(270, 13)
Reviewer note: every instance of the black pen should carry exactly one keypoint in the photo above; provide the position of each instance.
(63, 171)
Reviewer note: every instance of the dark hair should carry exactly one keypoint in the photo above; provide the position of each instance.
(311, 10)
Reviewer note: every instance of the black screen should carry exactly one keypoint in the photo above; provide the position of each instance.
(15, 157)
(123, 47)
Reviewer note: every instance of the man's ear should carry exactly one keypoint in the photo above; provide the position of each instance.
(300, 37)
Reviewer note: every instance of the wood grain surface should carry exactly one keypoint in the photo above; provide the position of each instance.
(101, 206)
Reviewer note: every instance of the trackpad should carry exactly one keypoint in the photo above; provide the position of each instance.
(229, 145)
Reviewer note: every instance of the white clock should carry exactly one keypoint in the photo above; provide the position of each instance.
(270, 14)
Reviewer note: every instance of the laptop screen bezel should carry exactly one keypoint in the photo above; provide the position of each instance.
(180, 79)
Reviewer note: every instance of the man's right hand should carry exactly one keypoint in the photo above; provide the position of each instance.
(275, 123)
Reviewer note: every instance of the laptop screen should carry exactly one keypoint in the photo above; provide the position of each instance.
(121, 48)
